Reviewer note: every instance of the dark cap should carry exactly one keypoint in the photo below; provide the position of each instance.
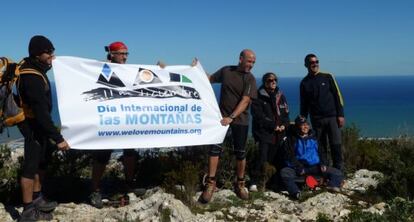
(40, 44)
(300, 120)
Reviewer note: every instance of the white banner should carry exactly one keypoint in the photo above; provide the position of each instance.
(105, 105)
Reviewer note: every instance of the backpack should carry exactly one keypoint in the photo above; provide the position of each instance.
(11, 111)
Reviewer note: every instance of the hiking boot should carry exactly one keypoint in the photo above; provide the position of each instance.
(96, 200)
(33, 214)
(296, 196)
(132, 187)
(209, 189)
(139, 192)
(44, 205)
(241, 190)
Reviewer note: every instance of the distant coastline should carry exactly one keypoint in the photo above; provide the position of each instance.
(379, 106)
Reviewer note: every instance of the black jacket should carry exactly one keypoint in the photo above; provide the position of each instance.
(320, 97)
(267, 114)
(36, 94)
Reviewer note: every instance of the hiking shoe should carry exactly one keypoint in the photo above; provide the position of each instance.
(33, 214)
(253, 188)
(132, 187)
(297, 196)
(209, 188)
(241, 190)
(96, 200)
(139, 192)
(44, 205)
(334, 189)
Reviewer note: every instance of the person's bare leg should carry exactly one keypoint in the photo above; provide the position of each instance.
(27, 189)
(37, 182)
(240, 168)
(212, 165)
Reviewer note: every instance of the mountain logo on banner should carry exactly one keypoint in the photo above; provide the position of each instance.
(147, 84)
(109, 78)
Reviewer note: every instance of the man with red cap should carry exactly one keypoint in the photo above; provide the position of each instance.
(117, 53)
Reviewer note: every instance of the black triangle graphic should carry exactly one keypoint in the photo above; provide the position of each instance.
(113, 82)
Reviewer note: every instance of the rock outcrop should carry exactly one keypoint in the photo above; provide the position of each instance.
(157, 205)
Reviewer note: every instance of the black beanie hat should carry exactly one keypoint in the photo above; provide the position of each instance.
(40, 44)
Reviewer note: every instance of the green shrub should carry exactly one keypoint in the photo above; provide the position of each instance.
(9, 175)
(322, 218)
(71, 163)
(183, 182)
(398, 209)
(357, 215)
(393, 158)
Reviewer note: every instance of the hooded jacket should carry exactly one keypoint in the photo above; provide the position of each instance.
(269, 110)
(301, 152)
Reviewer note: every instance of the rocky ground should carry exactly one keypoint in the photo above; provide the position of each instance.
(157, 205)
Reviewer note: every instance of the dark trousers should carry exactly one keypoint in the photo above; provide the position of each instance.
(328, 132)
(289, 175)
(238, 136)
(268, 153)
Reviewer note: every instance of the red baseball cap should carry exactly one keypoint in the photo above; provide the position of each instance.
(116, 46)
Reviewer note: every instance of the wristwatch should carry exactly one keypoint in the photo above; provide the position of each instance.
(232, 116)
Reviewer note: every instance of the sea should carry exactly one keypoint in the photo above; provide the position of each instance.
(379, 106)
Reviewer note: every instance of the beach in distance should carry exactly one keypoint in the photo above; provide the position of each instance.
(380, 106)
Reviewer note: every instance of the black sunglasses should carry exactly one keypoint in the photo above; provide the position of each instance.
(121, 53)
(271, 80)
(314, 62)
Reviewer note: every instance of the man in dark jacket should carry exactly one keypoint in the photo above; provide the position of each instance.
(320, 97)
(303, 157)
(38, 128)
(270, 120)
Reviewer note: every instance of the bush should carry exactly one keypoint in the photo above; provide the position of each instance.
(71, 163)
(393, 158)
(183, 182)
(9, 175)
(357, 215)
(398, 209)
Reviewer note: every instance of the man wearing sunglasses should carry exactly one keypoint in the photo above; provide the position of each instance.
(117, 53)
(321, 98)
(37, 128)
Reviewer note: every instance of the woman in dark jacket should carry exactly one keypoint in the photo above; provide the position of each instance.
(270, 120)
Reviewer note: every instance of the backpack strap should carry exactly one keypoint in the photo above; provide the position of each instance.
(28, 112)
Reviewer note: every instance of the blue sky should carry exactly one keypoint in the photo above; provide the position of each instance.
(350, 37)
